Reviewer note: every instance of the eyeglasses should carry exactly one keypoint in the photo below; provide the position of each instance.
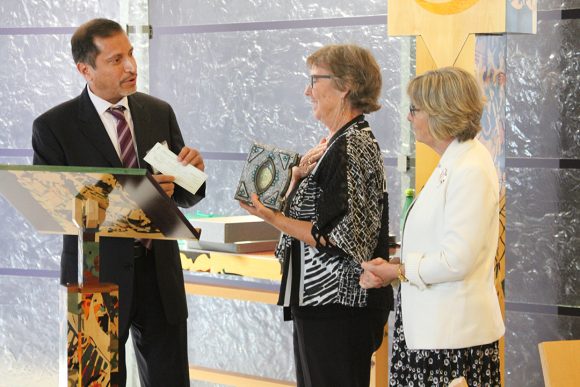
(413, 110)
(313, 78)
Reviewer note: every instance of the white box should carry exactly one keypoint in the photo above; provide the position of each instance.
(232, 229)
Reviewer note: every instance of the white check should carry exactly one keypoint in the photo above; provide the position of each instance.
(165, 161)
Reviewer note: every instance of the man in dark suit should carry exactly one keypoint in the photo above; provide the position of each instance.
(85, 132)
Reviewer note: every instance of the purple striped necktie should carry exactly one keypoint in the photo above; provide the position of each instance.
(124, 137)
(126, 147)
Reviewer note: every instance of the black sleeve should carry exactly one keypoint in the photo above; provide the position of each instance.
(350, 208)
(47, 149)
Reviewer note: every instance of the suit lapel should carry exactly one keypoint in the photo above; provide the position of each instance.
(142, 127)
(92, 127)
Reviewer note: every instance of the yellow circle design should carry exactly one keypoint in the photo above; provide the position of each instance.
(448, 7)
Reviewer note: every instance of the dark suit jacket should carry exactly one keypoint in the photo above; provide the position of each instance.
(72, 134)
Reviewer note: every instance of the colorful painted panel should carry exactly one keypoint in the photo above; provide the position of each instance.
(92, 355)
(490, 51)
(490, 67)
(521, 16)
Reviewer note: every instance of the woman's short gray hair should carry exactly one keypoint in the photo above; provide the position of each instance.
(354, 69)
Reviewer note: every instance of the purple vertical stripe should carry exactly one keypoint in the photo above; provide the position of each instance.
(128, 155)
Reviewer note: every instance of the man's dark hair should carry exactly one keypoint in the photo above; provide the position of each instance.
(82, 41)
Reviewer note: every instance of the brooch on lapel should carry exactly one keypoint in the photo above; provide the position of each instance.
(443, 176)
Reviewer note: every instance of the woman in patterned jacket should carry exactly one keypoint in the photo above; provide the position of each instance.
(335, 218)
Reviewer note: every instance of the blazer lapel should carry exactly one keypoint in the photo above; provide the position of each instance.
(142, 127)
(95, 131)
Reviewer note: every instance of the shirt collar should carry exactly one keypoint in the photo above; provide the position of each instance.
(102, 105)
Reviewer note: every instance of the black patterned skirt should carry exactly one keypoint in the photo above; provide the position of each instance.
(479, 365)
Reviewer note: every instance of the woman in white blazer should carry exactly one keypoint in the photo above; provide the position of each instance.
(448, 319)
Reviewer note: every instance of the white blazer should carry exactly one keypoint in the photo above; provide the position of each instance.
(449, 245)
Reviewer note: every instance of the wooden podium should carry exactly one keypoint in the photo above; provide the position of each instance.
(90, 203)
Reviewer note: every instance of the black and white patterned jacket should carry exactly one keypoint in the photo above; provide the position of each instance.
(343, 197)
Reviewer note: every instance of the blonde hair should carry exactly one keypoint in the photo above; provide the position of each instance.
(453, 101)
(354, 68)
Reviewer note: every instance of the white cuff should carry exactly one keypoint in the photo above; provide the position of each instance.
(412, 265)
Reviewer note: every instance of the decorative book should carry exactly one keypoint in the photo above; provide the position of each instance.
(267, 173)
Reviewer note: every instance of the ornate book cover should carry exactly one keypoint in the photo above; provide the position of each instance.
(267, 172)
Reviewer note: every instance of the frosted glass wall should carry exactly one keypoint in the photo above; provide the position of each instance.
(543, 189)
(201, 12)
(239, 87)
